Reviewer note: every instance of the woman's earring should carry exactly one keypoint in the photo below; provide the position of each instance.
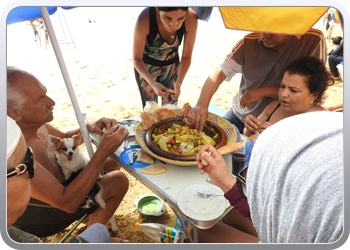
(311, 102)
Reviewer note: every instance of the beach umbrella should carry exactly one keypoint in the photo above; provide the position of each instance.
(81, 118)
(21, 14)
(28, 13)
(287, 20)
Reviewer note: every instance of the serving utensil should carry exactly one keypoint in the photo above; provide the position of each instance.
(206, 196)
(134, 155)
(126, 142)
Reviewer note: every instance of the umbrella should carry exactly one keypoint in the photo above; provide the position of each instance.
(27, 13)
(21, 14)
(288, 20)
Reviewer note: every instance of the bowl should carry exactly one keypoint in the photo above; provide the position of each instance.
(165, 124)
(150, 205)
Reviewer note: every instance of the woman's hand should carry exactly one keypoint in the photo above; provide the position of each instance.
(177, 88)
(251, 123)
(160, 89)
(216, 169)
(264, 126)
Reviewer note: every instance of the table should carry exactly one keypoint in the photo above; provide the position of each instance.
(169, 184)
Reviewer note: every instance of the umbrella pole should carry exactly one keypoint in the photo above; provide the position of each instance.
(80, 116)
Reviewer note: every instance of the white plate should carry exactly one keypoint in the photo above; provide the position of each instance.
(198, 208)
(131, 129)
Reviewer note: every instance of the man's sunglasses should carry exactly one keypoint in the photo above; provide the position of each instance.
(27, 165)
(241, 182)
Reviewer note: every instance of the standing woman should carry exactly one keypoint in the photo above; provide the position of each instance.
(157, 37)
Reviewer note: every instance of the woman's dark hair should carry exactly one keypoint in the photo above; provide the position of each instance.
(167, 9)
(316, 76)
(336, 40)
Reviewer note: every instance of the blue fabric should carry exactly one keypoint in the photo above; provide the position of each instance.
(203, 13)
(21, 14)
(96, 233)
(231, 117)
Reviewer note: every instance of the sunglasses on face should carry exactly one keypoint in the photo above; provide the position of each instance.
(241, 182)
(27, 165)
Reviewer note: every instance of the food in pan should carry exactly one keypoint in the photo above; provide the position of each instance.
(182, 140)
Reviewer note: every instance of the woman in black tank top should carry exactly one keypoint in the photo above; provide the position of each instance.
(302, 90)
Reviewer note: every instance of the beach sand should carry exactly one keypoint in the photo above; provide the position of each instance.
(101, 72)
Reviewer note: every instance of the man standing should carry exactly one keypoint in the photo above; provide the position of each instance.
(261, 58)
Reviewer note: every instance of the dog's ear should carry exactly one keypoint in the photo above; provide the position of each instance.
(78, 139)
(55, 141)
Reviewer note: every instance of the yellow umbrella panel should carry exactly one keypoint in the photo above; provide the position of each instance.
(288, 20)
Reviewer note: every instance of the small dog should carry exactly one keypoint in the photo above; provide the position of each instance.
(72, 161)
(69, 156)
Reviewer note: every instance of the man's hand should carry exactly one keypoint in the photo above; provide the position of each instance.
(198, 116)
(112, 139)
(250, 96)
(102, 123)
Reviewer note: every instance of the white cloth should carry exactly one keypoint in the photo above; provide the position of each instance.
(295, 180)
(13, 135)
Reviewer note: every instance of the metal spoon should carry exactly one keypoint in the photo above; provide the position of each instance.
(206, 196)
(126, 141)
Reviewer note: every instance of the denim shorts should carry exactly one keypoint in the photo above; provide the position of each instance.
(232, 118)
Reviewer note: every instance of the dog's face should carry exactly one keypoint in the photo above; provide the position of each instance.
(67, 146)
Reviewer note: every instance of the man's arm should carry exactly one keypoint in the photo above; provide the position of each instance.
(96, 126)
(257, 94)
(198, 114)
(46, 188)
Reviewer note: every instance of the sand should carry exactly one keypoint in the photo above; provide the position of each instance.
(102, 76)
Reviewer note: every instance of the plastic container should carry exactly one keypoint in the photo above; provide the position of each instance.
(162, 233)
(248, 148)
(150, 106)
(150, 205)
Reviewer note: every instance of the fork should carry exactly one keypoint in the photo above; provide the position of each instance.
(206, 196)
(126, 142)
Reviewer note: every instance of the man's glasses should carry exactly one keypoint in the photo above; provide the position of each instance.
(241, 182)
(27, 165)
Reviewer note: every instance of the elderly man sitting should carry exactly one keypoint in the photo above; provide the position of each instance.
(32, 109)
(20, 169)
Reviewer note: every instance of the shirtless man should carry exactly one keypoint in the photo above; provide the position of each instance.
(31, 108)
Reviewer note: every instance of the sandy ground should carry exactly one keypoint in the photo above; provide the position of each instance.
(102, 76)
